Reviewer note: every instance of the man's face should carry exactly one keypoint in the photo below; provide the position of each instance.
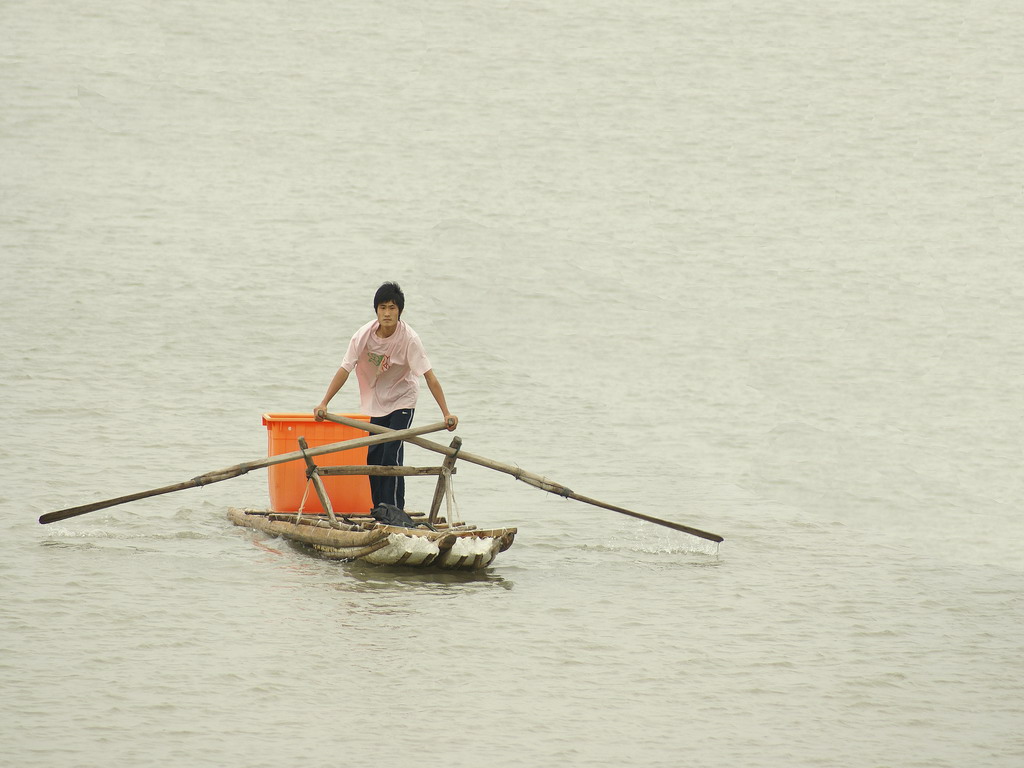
(387, 314)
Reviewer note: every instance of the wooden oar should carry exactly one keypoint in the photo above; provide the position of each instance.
(527, 477)
(240, 469)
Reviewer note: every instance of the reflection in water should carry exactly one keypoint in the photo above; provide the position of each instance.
(376, 577)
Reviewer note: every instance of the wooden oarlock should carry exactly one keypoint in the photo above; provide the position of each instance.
(444, 481)
(314, 473)
(318, 484)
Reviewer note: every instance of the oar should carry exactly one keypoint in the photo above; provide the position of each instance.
(240, 469)
(527, 477)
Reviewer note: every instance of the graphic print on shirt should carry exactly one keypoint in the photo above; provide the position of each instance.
(380, 362)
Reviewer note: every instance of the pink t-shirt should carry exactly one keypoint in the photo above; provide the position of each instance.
(388, 369)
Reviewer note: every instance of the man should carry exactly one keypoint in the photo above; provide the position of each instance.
(388, 358)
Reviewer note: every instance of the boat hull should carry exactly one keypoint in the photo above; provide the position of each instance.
(455, 548)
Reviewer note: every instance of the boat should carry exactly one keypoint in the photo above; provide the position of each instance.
(336, 521)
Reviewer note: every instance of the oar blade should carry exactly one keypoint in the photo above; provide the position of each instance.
(64, 514)
(650, 518)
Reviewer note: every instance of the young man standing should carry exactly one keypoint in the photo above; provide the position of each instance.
(388, 358)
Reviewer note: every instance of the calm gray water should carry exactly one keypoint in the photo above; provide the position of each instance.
(754, 268)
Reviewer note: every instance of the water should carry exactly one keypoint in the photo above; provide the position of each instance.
(752, 268)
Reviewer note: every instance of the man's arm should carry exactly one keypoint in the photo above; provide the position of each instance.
(435, 389)
(333, 388)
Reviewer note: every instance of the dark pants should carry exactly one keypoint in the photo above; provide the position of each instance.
(389, 490)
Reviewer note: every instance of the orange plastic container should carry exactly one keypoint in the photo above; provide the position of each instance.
(349, 494)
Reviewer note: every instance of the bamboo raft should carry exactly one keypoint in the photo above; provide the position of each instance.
(456, 547)
(432, 542)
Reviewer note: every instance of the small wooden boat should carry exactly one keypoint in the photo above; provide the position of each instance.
(418, 540)
(458, 547)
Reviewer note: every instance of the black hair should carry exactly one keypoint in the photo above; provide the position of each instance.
(389, 292)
